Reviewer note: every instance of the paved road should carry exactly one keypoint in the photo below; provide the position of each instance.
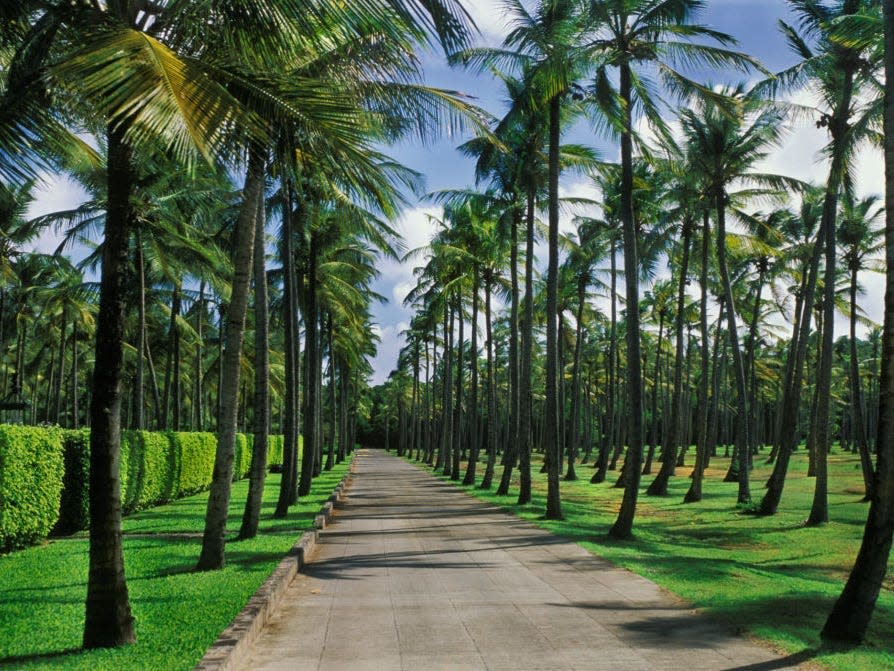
(417, 575)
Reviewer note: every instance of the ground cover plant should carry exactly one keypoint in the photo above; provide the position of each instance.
(179, 612)
(771, 577)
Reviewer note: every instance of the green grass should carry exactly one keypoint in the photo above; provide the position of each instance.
(179, 612)
(769, 576)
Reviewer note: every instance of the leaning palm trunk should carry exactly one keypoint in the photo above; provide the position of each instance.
(851, 614)
(258, 469)
(788, 434)
(108, 620)
(213, 541)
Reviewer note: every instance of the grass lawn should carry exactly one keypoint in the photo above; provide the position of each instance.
(769, 576)
(179, 612)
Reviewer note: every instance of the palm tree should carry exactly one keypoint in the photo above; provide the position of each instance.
(629, 34)
(861, 242)
(852, 612)
(724, 145)
(838, 73)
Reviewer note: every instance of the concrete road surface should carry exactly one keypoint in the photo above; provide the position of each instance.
(417, 575)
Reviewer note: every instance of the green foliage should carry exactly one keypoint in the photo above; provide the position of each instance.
(30, 483)
(196, 452)
(74, 505)
(179, 612)
(49, 469)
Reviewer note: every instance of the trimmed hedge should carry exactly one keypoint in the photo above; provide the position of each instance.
(31, 467)
(53, 467)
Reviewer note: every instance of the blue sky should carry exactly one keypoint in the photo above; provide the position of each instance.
(752, 22)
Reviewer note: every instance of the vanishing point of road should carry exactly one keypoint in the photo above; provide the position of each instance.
(414, 574)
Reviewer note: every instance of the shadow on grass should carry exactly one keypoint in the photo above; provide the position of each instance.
(17, 660)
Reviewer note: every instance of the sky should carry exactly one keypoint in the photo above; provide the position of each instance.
(752, 22)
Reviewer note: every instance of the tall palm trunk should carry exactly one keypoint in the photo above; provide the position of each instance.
(838, 127)
(656, 384)
(788, 422)
(633, 464)
(551, 437)
(287, 485)
(258, 468)
(743, 441)
(469, 478)
(607, 444)
(330, 453)
(574, 436)
(851, 614)
(139, 385)
(694, 494)
(213, 539)
(458, 402)
(198, 409)
(514, 449)
(669, 456)
(108, 621)
(857, 412)
(525, 433)
(311, 403)
(491, 387)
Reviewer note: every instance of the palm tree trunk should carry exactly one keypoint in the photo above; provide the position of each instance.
(742, 436)
(523, 400)
(574, 439)
(607, 444)
(108, 621)
(138, 421)
(857, 396)
(290, 337)
(469, 478)
(258, 468)
(623, 526)
(197, 366)
(516, 450)
(213, 539)
(656, 383)
(852, 612)
(330, 454)
(491, 387)
(694, 494)
(309, 455)
(551, 438)
(458, 402)
(669, 457)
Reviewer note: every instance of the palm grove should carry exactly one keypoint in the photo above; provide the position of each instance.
(215, 138)
(736, 276)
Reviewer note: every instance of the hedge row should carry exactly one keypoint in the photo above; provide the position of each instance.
(44, 475)
(30, 483)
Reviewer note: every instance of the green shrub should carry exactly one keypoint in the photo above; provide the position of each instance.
(155, 467)
(30, 483)
(74, 506)
(274, 450)
(196, 452)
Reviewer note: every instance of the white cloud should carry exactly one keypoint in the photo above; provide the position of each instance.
(55, 194)
(490, 17)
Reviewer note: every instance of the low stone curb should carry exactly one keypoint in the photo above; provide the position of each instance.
(230, 648)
